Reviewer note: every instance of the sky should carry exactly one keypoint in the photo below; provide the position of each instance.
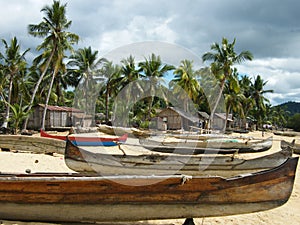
(269, 29)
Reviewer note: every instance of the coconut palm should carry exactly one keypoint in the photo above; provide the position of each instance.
(14, 65)
(185, 78)
(84, 74)
(223, 58)
(57, 40)
(131, 75)
(111, 87)
(257, 93)
(233, 97)
(154, 70)
(83, 64)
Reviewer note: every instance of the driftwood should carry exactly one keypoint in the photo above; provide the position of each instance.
(32, 144)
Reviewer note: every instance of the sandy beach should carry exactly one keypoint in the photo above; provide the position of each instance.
(289, 213)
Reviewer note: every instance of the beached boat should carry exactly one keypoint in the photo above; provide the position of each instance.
(88, 140)
(205, 137)
(223, 146)
(295, 147)
(32, 144)
(286, 133)
(133, 132)
(81, 198)
(85, 161)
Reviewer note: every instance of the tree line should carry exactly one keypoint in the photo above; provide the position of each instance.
(59, 67)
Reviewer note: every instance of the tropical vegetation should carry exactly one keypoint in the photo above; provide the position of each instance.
(59, 68)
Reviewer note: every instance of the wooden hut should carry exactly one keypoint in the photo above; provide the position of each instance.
(219, 121)
(177, 119)
(57, 117)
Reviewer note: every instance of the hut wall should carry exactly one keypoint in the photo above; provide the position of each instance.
(174, 121)
(35, 118)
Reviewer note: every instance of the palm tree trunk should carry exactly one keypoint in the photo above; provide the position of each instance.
(37, 86)
(226, 118)
(211, 117)
(6, 118)
(47, 100)
(106, 104)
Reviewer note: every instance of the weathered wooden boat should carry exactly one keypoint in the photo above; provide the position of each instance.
(295, 147)
(84, 161)
(81, 198)
(131, 131)
(285, 133)
(200, 137)
(223, 146)
(88, 140)
(32, 144)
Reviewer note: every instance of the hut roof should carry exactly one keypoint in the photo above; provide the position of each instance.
(223, 116)
(204, 115)
(61, 108)
(184, 114)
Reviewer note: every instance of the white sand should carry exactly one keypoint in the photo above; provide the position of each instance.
(286, 214)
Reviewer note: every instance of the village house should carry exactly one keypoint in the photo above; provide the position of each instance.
(58, 117)
(173, 118)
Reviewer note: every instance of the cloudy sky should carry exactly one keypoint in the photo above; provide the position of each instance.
(270, 29)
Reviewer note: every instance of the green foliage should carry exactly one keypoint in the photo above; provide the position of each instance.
(291, 107)
(20, 113)
(294, 122)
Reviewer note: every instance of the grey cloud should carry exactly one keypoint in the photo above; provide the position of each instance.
(269, 29)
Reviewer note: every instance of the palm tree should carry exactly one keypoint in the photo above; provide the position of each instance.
(279, 116)
(131, 74)
(83, 74)
(154, 70)
(224, 57)
(185, 78)
(14, 64)
(57, 40)
(257, 93)
(233, 98)
(84, 64)
(247, 102)
(112, 84)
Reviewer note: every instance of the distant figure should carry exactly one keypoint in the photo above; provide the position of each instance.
(71, 131)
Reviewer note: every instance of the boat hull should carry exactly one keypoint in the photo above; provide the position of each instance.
(78, 198)
(213, 146)
(84, 161)
(125, 212)
(88, 141)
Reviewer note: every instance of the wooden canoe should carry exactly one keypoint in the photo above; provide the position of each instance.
(32, 144)
(205, 137)
(80, 198)
(88, 140)
(295, 147)
(131, 131)
(223, 146)
(84, 161)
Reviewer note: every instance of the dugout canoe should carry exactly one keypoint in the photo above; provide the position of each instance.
(80, 198)
(84, 161)
(214, 146)
(88, 140)
(295, 147)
